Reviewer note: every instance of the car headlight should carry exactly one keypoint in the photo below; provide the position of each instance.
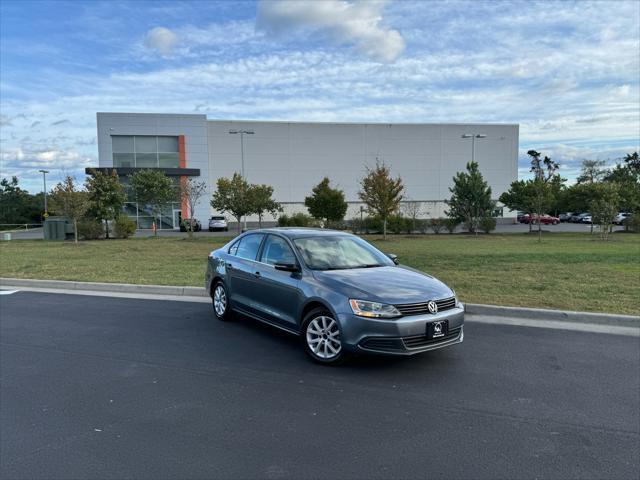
(458, 302)
(362, 308)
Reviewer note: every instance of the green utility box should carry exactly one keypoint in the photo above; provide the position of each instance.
(57, 228)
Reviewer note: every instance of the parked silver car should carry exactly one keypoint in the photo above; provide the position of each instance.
(335, 290)
(218, 223)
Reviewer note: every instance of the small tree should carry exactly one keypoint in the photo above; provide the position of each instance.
(544, 171)
(191, 191)
(604, 208)
(520, 196)
(381, 193)
(106, 196)
(626, 175)
(326, 203)
(412, 210)
(261, 199)
(70, 202)
(233, 196)
(470, 198)
(153, 188)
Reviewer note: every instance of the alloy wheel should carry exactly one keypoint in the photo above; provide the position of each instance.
(323, 337)
(220, 301)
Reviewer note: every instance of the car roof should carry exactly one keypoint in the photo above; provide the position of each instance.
(300, 232)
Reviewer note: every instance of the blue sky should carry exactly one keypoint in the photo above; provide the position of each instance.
(567, 72)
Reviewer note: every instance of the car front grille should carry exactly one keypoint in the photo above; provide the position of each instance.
(418, 341)
(421, 308)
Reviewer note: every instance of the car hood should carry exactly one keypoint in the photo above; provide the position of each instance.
(390, 284)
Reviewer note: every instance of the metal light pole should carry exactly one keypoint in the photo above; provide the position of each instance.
(473, 137)
(44, 179)
(242, 134)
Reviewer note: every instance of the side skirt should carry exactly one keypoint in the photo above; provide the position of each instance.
(260, 319)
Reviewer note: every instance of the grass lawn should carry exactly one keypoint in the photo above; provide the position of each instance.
(572, 271)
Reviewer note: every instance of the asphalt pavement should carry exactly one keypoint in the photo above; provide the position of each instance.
(99, 387)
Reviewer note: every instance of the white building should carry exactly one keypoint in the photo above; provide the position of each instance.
(292, 157)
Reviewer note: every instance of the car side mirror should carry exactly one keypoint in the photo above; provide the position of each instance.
(287, 267)
(393, 257)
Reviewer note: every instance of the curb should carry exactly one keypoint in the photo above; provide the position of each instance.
(470, 308)
(553, 315)
(106, 287)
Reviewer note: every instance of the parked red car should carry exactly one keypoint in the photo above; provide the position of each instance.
(544, 219)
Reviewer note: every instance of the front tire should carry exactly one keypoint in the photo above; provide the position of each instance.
(220, 302)
(321, 338)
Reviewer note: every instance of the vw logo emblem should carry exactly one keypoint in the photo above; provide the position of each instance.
(437, 327)
(432, 307)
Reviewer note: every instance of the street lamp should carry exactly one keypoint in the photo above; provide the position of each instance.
(473, 137)
(44, 179)
(242, 134)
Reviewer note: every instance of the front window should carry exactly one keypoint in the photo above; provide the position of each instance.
(277, 250)
(340, 252)
(145, 151)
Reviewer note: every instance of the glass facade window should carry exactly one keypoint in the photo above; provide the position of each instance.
(168, 160)
(145, 151)
(146, 160)
(143, 216)
(168, 144)
(124, 160)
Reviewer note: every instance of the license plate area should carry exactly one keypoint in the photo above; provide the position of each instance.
(437, 329)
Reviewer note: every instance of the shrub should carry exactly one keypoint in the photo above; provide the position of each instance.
(398, 224)
(487, 224)
(295, 220)
(422, 225)
(451, 224)
(437, 225)
(124, 226)
(372, 224)
(90, 229)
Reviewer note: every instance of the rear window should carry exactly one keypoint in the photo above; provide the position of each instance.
(217, 218)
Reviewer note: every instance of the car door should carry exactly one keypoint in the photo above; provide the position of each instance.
(278, 291)
(241, 266)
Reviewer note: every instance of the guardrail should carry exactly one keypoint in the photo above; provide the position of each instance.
(18, 227)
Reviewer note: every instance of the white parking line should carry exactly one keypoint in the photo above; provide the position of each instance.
(7, 292)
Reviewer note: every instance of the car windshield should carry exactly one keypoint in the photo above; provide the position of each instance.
(339, 252)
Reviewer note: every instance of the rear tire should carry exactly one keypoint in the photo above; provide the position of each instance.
(220, 302)
(320, 338)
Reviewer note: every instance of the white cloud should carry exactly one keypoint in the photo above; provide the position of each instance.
(358, 23)
(161, 40)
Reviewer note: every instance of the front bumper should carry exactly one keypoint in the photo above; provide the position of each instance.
(403, 336)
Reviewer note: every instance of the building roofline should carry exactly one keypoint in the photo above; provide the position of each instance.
(297, 122)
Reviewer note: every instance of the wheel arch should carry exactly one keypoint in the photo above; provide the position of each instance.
(312, 304)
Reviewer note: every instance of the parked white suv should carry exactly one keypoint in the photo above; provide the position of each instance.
(621, 217)
(218, 223)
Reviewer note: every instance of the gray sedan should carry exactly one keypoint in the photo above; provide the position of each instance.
(336, 291)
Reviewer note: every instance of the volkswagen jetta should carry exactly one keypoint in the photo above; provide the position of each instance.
(335, 290)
